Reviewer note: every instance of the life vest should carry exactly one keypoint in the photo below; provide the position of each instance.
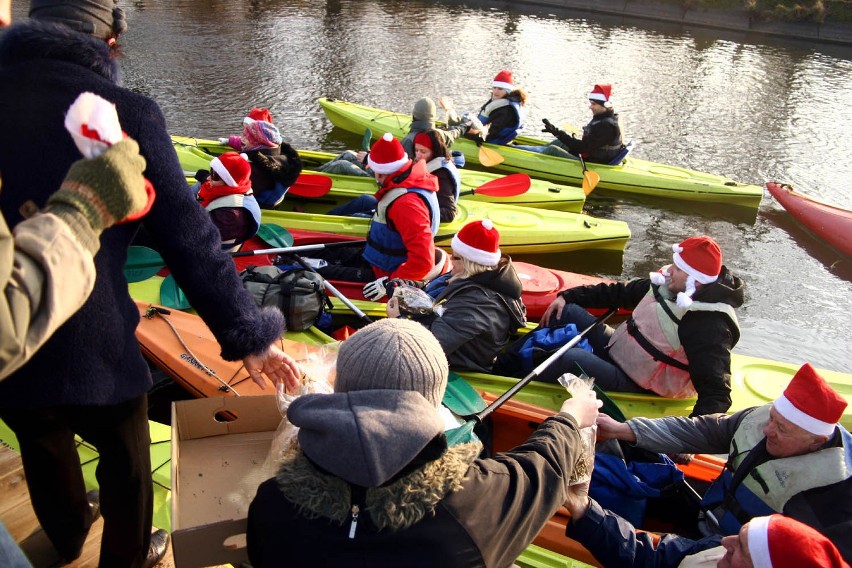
(436, 164)
(647, 346)
(767, 488)
(509, 133)
(605, 154)
(384, 247)
(244, 201)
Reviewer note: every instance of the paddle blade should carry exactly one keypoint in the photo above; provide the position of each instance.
(275, 235)
(171, 296)
(489, 157)
(590, 181)
(365, 141)
(506, 186)
(460, 397)
(142, 263)
(310, 185)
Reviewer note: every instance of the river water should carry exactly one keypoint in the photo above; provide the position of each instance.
(752, 108)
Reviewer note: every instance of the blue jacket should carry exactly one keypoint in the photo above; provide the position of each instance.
(94, 359)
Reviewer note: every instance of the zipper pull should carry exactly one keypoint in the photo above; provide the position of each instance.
(354, 524)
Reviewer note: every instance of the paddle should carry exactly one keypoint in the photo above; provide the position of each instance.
(330, 287)
(142, 263)
(317, 246)
(506, 186)
(310, 185)
(365, 144)
(590, 178)
(171, 296)
(487, 156)
(480, 416)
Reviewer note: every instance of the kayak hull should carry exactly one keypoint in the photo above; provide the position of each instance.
(632, 176)
(829, 223)
(195, 154)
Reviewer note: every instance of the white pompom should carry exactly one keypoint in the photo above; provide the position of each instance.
(387, 137)
(657, 278)
(683, 300)
(488, 224)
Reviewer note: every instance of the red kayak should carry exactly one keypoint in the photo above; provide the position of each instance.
(540, 284)
(830, 223)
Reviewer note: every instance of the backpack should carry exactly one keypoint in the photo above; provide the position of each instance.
(298, 293)
(526, 353)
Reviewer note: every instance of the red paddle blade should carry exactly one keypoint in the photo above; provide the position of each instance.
(310, 185)
(506, 186)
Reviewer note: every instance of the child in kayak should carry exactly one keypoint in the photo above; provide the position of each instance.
(275, 165)
(227, 195)
(481, 300)
(504, 113)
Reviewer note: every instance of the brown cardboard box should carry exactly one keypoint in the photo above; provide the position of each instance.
(218, 447)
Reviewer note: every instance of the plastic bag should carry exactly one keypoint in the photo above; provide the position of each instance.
(582, 472)
(413, 301)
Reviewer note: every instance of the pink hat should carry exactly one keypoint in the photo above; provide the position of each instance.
(387, 155)
(258, 114)
(233, 168)
(810, 403)
(781, 542)
(503, 80)
(478, 242)
(259, 134)
(701, 259)
(601, 94)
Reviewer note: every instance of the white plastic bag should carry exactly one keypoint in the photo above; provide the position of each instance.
(413, 301)
(582, 472)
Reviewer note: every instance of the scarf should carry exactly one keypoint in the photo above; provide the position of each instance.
(208, 193)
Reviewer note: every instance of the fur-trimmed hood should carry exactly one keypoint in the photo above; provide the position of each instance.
(46, 40)
(395, 506)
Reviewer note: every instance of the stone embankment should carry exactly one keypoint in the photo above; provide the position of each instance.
(690, 13)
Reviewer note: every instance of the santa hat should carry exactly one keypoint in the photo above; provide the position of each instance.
(810, 403)
(261, 114)
(601, 94)
(424, 140)
(781, 542)
(233, 168)
(387, 155)
(701, 259)
(478, 242)
(503, 80)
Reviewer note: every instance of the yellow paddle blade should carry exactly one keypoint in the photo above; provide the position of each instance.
(590, 181)
(571, 129)
(489, 157)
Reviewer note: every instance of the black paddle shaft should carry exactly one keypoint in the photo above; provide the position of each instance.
(480, 416)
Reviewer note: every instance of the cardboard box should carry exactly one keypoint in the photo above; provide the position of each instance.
(219, 446)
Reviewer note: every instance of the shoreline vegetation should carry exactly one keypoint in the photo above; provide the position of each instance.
(826, 21)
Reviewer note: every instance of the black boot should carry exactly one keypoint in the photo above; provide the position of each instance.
(157, 549)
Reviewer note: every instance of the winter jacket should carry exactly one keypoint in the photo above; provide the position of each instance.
(707, 337)
(480, 313)
(410, 218)
(40, 255)
(273, 171)
(445, 508)
(505, 118)
(601, 141)
(613, 541)
(94, 359)
(828, 508)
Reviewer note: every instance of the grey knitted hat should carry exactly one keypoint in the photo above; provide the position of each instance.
(396, 354)
(100, 18)
(424, 109)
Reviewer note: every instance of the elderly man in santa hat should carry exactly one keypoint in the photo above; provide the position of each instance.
(790, 456)
(678, 341)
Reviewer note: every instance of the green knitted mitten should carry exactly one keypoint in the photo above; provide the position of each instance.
(102, 191)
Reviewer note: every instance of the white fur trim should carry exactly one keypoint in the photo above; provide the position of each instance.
(217, 166)
(758, 542)
(597, 97)
(699, 276)
(813, 425)
(388, 168)
(478, 256)
(501, 85)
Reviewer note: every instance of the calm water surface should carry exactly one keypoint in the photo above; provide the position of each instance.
(752, 108)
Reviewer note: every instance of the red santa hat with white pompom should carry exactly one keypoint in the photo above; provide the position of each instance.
(478, 242)
(701, 259)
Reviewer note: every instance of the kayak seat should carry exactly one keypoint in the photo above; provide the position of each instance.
(623, 154)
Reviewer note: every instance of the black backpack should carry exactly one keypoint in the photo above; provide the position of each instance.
(298, 293)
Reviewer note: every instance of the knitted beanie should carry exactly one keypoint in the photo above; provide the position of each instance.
(393, 354)
(259, 134)
(424, 139)
(99, 18)
(424, 109)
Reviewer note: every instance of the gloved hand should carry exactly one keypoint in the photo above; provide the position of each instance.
(375, 290)
(104, 190)
(548, 127)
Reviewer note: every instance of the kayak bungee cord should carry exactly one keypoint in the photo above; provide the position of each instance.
(162, 312)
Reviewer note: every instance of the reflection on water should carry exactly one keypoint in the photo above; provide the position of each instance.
(747, 107)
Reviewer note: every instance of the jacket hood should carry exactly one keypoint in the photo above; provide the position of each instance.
(47, 40)
(415, 176)
(726, 289)
(503, 282)
(364, 437)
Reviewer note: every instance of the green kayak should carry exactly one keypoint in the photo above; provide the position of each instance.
(195, 154)
(632, 175)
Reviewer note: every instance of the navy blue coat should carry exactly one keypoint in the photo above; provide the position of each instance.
(94, 359)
